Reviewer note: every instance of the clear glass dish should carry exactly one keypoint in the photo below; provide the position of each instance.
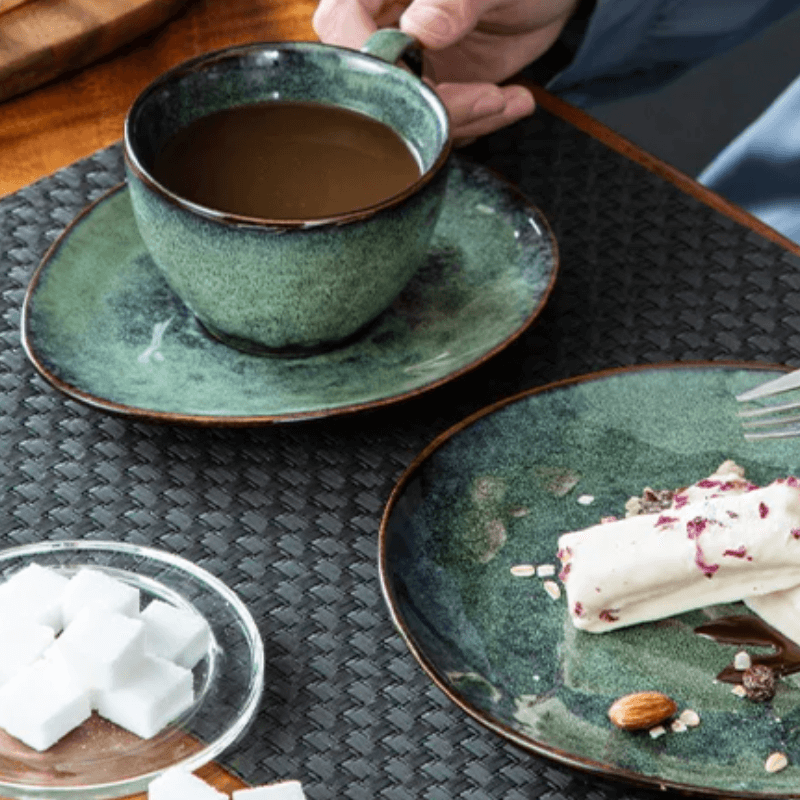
(100, 760)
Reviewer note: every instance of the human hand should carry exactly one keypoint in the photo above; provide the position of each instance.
(470, 46)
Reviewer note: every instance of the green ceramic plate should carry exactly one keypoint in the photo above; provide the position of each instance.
(101, 325)
(496, 491)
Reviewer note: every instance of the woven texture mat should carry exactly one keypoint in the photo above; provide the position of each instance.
(288, 515)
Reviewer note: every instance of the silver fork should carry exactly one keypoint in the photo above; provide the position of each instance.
(772, 420)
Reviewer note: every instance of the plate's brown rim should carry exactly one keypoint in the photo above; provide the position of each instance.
(590, 766)
(243, 421)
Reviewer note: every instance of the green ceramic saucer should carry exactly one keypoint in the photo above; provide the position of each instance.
(495, 492)
(101, 325)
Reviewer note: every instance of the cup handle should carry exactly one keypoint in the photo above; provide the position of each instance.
(388, 44)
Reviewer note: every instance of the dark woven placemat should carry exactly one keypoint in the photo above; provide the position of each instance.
(288, 515)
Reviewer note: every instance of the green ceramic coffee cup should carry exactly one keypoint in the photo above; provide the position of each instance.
(302, 285)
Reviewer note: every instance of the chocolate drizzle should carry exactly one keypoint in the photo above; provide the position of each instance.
(746, 630)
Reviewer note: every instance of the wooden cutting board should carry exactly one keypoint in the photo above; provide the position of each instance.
(42, 39)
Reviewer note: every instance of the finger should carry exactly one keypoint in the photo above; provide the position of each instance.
(468, 101)
(466, 134)
(479, 108)
(440, 23)
(517, 107)
(347, 23)
(519, 104)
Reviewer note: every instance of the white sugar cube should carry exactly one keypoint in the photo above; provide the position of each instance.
(175, 633)
(105, 649)
(92, 588)
(177, 784)
(285, 790)
(158, 693)
(21, 643)
(34, 593)
(42, 703)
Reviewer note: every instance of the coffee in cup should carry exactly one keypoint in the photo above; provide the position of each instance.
(292, 160)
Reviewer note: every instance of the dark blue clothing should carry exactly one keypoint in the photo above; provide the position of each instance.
(632, 46)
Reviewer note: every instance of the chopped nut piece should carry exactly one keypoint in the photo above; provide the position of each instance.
(659, 730)
(586, 499)
(546, 570)
(689, 718)
(742, 660)
(523, 570)
(677, 726)
(739, 691)
(633, 507)
(553, 589)
(759, 683)
(776, 762)
(651, 501)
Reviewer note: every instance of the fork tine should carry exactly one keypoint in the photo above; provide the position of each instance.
(771, 421)
(778, 433)
(766, 422)
(784, 383)
(762, 411)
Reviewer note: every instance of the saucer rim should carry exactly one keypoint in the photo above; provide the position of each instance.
(136, 413)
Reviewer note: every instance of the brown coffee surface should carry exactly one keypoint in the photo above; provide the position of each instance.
(286, 160)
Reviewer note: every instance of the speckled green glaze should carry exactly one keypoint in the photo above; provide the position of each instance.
(301, 284)
(497, 492)
(101, 324)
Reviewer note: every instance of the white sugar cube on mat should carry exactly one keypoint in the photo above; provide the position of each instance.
(175, 633)
(105, 649)
(21, 643)
(90, 587)
(159, 693)
(34, 593)
(285, 790)
(177, 784)
(42, 703)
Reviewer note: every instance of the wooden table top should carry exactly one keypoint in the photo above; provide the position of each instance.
(75, 115)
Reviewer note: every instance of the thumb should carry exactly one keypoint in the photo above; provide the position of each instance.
(439, 23)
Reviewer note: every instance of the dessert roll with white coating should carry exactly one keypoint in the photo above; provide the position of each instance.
(735, 541)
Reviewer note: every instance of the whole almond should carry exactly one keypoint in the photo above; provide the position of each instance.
(641, 710)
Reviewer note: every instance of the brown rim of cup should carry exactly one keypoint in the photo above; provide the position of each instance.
(200, 62)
